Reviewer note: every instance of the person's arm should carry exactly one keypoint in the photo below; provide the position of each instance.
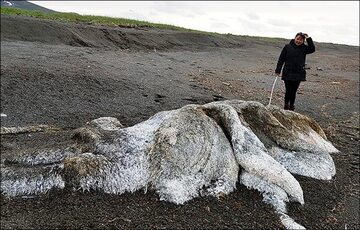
(310, 48)
(280, 61)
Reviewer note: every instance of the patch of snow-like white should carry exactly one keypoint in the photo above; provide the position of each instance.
(106, 123)
(316, 142)
(8, 3)
(273, 195)
(43, 156)
(124, 163)
(318, 165)
(27, 183)
(251, 154)
(182, 189)
(290, 223)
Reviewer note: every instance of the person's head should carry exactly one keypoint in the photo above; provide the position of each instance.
(299, 38)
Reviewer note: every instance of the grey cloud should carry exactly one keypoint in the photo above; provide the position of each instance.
(261, 28)
(153, 13)
(253, 16)
(136, 15)
(179, 8)
(219, 25)
(279, 22)
(251, 25)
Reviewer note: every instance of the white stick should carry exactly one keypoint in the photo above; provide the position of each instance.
(272, 90)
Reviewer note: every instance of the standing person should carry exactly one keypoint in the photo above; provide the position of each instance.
(293, 55)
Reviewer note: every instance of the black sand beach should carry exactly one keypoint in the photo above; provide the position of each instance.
(65, 74)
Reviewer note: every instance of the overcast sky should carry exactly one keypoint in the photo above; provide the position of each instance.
(325, 21)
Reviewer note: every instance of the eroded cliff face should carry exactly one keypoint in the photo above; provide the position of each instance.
(193, 151)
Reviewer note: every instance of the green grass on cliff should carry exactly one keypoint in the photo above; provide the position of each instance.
(91, 19)
(121, 22)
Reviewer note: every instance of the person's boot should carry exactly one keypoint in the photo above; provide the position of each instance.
(286, 107)
(292, 107)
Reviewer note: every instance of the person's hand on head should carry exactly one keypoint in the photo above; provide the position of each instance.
(306, 35)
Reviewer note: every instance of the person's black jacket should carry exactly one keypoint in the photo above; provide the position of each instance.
(294, 58)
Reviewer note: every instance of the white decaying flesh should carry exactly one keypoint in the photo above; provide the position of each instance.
(185, 153)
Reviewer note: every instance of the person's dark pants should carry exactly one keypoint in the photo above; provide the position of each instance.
(290, 93)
